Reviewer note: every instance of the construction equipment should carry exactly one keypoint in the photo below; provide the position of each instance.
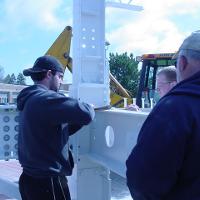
(150, 65)
(61, 50)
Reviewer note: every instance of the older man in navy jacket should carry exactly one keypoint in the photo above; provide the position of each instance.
(165, 163)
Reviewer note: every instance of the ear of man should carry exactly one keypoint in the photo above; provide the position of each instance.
(183, 63)
(48, 74)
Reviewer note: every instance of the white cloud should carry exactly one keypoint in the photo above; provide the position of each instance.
(40, 13)
(170, 6)
(152, 30)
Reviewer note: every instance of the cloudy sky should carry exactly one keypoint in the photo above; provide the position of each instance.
(28, 28)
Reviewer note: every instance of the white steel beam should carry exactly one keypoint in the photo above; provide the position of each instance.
(127, 6)
(111, 137)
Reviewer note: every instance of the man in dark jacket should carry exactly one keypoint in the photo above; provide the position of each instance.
(47, 119)
(165, 163)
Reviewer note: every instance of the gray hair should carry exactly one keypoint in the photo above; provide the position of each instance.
(190, 54)
(169, 73)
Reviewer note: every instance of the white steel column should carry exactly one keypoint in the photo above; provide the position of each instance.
(90, 74)
(90, 84)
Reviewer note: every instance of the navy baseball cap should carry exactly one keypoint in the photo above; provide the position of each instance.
(43, 64)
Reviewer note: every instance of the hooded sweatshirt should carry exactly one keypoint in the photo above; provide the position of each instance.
(47, 118)
(165, 163)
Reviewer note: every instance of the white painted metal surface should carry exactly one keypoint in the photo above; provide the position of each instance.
(111, 149)
(111, 137)
(8, 132)
(9, 167)
(102, 146)
(90, 74)
(124, 5)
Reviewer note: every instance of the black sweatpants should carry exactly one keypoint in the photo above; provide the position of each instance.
(51, 188)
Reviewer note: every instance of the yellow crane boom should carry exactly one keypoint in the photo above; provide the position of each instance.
(61, 48)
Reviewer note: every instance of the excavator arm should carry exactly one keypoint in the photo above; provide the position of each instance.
(61, 48)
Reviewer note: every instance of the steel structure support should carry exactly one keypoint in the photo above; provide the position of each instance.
(103, 145)
(124, 5)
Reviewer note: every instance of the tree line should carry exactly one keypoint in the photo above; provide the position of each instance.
(12, 79)
(124, 68)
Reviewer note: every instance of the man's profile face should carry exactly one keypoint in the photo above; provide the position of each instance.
(56, 81)
(163, 85)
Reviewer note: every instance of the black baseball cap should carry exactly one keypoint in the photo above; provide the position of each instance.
(43, 64)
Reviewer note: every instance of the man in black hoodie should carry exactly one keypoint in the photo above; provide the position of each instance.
(165, 163)
(47, 119)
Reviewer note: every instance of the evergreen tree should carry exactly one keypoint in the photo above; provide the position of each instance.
(7, 79)
(1, 73)
(21, 79)
(12, 79)
(125, 69)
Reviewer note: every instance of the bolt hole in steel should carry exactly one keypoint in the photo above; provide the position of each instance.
(6, 137)
(6, 128)
(16, 146)
(17, 128)
(83, 46)
(6, 119)
(17, 118)
(16, 137)
(109, 136)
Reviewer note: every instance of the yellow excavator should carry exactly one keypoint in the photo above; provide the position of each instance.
(61, 50)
